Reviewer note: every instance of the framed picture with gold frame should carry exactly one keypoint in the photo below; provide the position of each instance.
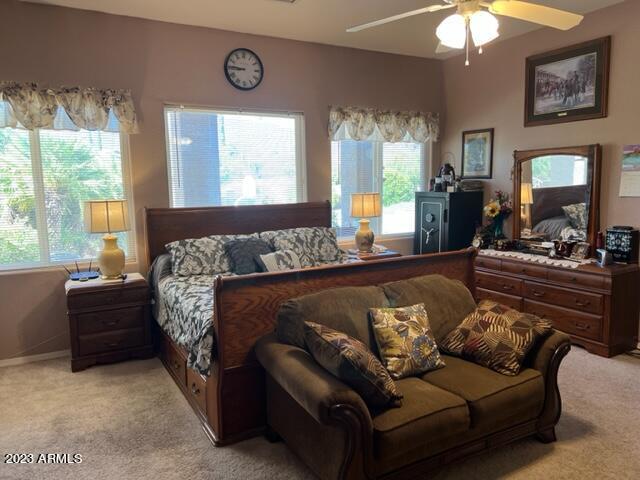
(477, 154)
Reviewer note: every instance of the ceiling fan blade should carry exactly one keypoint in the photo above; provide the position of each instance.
(550, 17)
(412, 13)
(443, 49)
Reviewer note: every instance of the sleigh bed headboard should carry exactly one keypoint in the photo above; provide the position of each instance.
(165, 225)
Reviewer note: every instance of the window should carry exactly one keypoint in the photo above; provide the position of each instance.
(45, 176)
(396, 170)
(234, 158)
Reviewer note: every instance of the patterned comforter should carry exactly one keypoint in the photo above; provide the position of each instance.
(185, 312)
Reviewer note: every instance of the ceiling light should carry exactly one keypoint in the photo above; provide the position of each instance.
(484, 28)
(452, 32)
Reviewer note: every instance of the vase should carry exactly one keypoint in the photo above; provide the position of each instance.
(498, 225)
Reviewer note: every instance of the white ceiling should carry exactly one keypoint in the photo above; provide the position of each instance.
(320, 21)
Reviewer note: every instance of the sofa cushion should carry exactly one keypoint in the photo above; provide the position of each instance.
(405, 342)
(344, 309)
(353, 363)
(495, 401)
(447, 301)
(496, 337)
(428, 417)
(314, 245)
(244, 253)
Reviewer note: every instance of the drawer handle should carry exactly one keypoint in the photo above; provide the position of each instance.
(574, 279)
(582, 304)
(176, 365)
(507, 287)
(537, 293)
(110, 323)
(582, 326)
(194, 389)
(113, 344)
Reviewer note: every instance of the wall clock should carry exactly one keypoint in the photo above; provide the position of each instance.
(243, 69)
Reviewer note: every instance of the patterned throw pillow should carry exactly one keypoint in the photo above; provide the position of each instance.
(314, 245)
(405, 340)
(278, 261)
(202, 256)
(577, 215)
(496, 337)
(351, 361)
(244, 254)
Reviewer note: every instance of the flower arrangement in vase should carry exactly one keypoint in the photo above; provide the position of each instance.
(497, 211)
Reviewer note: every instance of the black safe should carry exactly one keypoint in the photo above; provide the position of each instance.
(446, 221)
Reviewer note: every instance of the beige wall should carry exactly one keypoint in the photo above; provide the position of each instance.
(164, 62)
(490, 93)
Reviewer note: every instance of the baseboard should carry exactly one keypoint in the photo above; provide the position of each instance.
(9, 362)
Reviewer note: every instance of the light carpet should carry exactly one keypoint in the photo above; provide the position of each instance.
(130, 421)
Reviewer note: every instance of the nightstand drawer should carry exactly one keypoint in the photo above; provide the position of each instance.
(108, 297)
(109, 320)
(110, 341)
(197, 389)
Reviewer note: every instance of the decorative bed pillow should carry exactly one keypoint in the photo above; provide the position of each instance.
(278, 261)
(496, 336)
(244, 254)
(351, 361)
(405, 341)
(577, 215)
(201, 256)
(314, 245)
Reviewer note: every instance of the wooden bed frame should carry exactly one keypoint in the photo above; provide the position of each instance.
(231, 401)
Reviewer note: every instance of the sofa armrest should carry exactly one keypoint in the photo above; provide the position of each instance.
(310, 385)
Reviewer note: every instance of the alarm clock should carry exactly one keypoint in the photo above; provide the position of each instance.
(603, 257)
(622, 243)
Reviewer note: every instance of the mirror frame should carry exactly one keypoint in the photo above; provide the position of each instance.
(594, 166)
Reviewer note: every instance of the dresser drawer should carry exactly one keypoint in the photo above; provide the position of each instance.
(489, 263)
(109, 320)
(197, 389)
(583, 301)
(110, 341)
(501, 298)
(108, 297)
(174, 360)
(569, 321)
(576, 278)
(498, 283)
(522, 268)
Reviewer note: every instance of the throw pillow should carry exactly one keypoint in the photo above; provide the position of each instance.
(351, 361)
(244, 253)
(201, 256)
(313, 245)
(496, 336)
(577, 215)
(405, 340)
(278, 261)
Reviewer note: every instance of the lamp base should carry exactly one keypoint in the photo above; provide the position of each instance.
(111, 259)
(364, 237)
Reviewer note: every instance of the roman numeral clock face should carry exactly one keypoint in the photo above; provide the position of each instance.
(243, 69)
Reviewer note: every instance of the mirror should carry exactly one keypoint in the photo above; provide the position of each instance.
(556, 194)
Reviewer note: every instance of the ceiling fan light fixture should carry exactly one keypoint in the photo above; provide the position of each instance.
(452, 32)
(484, 27)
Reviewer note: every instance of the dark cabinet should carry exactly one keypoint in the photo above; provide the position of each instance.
(446, 221)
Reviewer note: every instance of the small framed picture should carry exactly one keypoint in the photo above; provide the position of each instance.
(569, 84)
(477, 154)
(580, 251)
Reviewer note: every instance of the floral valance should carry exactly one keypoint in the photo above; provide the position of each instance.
(29, 106)
(370, 124)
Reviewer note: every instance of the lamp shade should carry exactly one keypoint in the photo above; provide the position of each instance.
(484, 27)
(526, 194)
(452, 32)
(365, 205)
(106, 216)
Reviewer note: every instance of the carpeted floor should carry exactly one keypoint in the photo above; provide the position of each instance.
(129, 421)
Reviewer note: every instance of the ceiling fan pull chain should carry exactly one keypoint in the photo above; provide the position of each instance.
(466, 63)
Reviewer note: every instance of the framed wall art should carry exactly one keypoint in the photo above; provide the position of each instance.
(569, 84)
(477, 154)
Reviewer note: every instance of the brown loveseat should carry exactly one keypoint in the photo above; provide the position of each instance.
(446, 414)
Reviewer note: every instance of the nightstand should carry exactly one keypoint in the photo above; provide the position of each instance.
(109, 320)
(379, 255)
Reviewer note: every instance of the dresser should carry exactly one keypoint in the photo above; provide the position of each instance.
(109, 320)
(598, 307)
(446, 221)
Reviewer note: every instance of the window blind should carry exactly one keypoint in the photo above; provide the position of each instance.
(234, 158)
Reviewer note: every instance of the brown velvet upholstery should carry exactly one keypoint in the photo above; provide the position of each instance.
(447, 301)
(344, 309)
(495, 400)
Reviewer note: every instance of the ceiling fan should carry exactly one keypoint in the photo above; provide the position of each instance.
(472, 20)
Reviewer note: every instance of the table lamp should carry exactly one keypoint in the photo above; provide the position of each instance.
(108, 216)
(526, 200)
(364, 206)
